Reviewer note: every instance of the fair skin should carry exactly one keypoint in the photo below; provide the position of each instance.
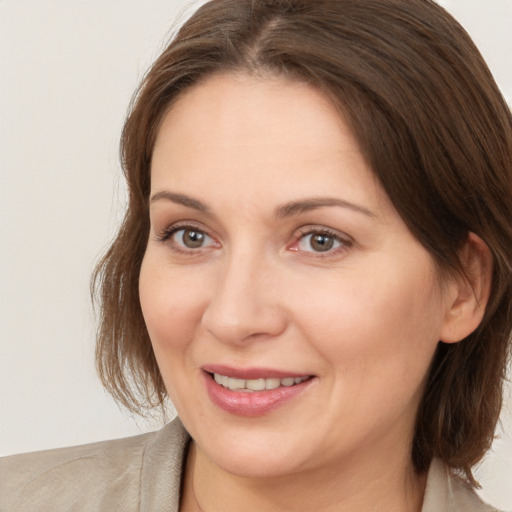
(274, 249)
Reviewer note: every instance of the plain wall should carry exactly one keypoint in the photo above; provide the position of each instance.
(67, 73)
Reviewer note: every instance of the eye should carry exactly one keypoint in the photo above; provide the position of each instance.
(322, 242)
(187, 238)
(191, 238)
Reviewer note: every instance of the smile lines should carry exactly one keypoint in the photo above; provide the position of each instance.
(250, 385)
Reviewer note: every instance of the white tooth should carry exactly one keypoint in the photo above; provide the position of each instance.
(255, 384)
(236, 384)
(272, 383)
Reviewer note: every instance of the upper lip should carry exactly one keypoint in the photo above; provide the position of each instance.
(251, 373)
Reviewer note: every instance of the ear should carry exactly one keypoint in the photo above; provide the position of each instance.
(468, 293)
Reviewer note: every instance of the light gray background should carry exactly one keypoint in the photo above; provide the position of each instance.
(67, 73)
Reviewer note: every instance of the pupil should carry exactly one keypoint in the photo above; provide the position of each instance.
(322, 243)
(193, 239)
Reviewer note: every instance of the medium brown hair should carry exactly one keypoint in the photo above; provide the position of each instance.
(436, 132)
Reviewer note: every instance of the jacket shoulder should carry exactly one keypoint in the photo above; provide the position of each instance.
(89, 477)
(467, 499)
(448, 493)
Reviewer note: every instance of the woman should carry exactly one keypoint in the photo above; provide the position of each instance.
(314, 266)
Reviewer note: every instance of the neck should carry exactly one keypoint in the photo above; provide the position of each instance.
(365, 486)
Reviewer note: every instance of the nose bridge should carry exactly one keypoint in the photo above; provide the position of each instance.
(243, 305)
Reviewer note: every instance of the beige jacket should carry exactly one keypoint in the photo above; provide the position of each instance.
(143, 473)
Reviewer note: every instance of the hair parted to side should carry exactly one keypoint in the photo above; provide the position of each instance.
(436, 132)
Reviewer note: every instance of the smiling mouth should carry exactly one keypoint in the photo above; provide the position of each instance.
(252, 385)
(253, 392)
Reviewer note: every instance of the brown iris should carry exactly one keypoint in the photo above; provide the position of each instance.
(321, 242)
(192, 239)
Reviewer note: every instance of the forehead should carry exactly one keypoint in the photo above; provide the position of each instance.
(253, 109)
(266, 137)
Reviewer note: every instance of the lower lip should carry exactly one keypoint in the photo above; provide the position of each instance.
(252, 404)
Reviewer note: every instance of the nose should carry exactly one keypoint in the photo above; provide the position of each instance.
(244, 304)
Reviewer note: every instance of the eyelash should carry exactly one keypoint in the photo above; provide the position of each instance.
(344, 241)
(167, 235)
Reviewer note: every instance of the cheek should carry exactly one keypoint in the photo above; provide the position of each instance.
(172, 306)
(379, 325)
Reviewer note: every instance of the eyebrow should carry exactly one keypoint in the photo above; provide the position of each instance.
(305, 205)
(283, 211)
(182, 199)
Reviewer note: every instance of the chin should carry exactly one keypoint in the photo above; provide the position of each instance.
(256, 455)
(254, 465)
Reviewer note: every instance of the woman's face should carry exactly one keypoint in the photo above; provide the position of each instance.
(275, 258)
